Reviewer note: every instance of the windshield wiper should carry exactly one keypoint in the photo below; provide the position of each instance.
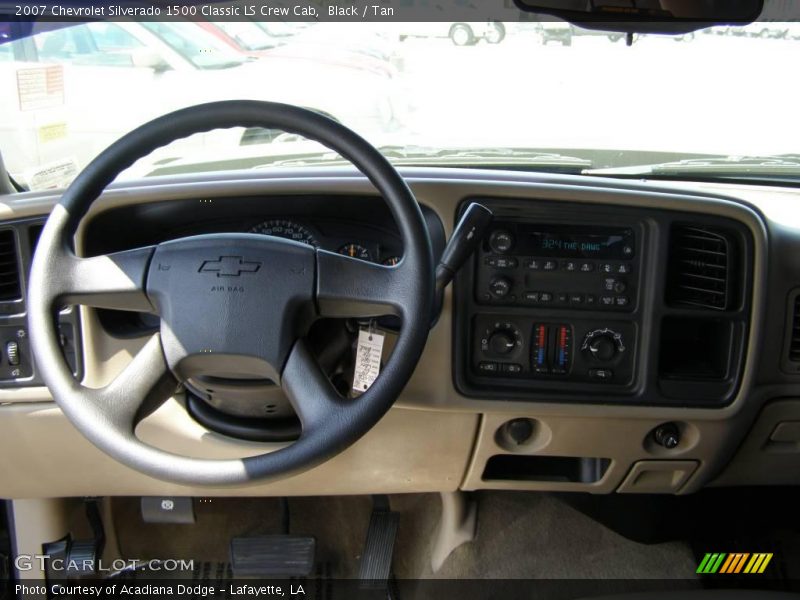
(515, 158)
(731, 167)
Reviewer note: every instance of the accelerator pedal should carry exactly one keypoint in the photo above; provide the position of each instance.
(273, 556)
(376, 562)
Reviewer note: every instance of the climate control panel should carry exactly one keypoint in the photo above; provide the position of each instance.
(538, 349)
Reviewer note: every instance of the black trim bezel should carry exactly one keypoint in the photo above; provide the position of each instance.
(648, 388)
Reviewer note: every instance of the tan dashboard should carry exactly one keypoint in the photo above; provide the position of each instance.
(442, 435)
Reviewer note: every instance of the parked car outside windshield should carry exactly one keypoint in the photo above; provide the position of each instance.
(425, 100)
(113, 77)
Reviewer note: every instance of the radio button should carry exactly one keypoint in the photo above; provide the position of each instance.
(533, 264)
(570, 265)
(623, 269)
(606, 300)
(532, 296)
(587, 267)
(501, 241)
(562, 298)
(506, 263)
(576, 299)
(607, 268)
(500, 287)
(622, 301)
(550, 265)
(591, 299)
(511, 368)
(546, 297)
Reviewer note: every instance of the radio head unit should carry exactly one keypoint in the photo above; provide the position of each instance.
(524, 263)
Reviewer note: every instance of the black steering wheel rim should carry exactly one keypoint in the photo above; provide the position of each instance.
(130, 280)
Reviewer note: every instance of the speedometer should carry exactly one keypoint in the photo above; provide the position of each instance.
(286, 229)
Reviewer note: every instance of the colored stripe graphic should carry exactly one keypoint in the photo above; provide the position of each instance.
(739, 563)
(733, 563)
(727, 564)
(758, 563)
(710, 563)
(704, 563)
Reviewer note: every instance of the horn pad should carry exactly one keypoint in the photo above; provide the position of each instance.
(231, 305)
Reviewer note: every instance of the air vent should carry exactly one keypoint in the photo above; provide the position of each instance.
(700, 268)
(794, 332)
(10, 290)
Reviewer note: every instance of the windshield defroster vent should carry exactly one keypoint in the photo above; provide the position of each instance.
(701, 268)
(10, 289)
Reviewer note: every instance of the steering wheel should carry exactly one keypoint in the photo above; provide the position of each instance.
(239, 304)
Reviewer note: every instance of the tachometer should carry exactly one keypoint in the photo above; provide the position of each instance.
(286, 229)
(355, 251)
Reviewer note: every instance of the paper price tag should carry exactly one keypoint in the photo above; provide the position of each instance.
(368, 359)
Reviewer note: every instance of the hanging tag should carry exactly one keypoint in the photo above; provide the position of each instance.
(368, 359)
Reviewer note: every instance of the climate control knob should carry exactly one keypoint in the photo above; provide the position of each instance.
(502, 343)
(603, 345)
(500, 287)
(501, 339)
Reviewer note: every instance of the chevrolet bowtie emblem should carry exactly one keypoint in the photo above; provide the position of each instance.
(229, 266)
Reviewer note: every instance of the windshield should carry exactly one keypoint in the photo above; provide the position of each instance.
(191, 42)
(246, 34)
(528, 95)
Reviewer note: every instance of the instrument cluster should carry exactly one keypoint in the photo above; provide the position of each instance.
(374, 246)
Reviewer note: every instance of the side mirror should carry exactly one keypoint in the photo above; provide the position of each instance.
(149, 59)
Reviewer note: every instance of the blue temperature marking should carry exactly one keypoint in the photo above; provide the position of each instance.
(540, 356)
(562, 359)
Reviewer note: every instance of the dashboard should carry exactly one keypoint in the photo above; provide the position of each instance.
(607, 336)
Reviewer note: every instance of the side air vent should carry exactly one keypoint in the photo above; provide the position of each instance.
(701, 268)
(10, 289)
(794, 331)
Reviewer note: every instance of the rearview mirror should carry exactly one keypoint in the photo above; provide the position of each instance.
(648, 16)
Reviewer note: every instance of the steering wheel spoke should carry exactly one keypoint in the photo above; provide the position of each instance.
(349, 287)
(115, 281)
(313, 398)
(144, 384)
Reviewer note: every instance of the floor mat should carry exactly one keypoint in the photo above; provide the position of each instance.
(537, 536)
(520, 535)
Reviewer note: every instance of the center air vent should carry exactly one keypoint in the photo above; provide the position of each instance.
(701, 268)
(10, 290)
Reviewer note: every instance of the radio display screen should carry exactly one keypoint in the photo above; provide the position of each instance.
(579, 242)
